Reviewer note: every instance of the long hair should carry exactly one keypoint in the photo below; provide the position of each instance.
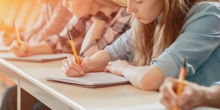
(150, 40)
(120, 3)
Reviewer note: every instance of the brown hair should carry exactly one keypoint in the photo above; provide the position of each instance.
(150, 40)
(120, 3)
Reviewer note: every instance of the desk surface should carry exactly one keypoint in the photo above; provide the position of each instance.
(75, 97)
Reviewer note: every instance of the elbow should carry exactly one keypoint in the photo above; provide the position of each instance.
(150, 84)
(146, 86)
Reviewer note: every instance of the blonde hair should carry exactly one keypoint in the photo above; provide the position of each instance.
(120, 3)
(150, 40)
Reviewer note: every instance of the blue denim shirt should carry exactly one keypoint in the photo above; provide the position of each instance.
(216, 83)
(199, 40)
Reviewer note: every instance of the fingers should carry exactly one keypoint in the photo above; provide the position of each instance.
(71, 68)
(167, 92)
(165, 101)
(15, 48)
(19, 50)
(169, 88)
(68, 70)
(7, 40)
(188, 98)
(116, 67)
(185, 97)
(72, 62)
(108, 67)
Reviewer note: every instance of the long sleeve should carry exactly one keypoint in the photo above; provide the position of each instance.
(120, 23)
(77, 28)
(56, 18)
(199, 40)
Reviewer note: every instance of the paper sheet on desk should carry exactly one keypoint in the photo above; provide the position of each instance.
(35, 58)
(151, 106)
(4, 48)
(159, 106)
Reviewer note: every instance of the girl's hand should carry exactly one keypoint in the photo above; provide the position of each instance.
(23, 50)
(115, 67)
(7, 39)
(191, 96)
(72, 69)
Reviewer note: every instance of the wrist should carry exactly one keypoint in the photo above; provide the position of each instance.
(124, 68)
(211, 96)
(31, 49)
(206, 96)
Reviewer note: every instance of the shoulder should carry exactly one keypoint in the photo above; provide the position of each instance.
(204, 8)
(203, 14)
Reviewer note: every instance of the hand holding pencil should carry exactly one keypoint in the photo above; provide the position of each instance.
(74, 66)
(18, 47)
(179, 94)
(7, 38)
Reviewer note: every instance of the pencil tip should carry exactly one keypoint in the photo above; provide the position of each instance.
(15, 25)
(69, 34)
(184, 61)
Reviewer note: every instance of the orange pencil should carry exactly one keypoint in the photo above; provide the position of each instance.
(73, 48)
(17, 34)
(181, 80)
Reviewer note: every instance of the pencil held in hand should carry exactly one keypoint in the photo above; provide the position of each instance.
(17, 34)
(181, 80)
(73, 48)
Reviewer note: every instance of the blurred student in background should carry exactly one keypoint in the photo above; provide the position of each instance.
(109, 21)
(108, 24)
(52, 19)
(192, 95)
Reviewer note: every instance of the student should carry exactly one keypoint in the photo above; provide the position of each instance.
(116, 25)
(162, 33)
(192, 95)
(109, 22)
(52, 19)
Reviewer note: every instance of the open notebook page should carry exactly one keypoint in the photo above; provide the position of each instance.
(159, 106)
(4, 48)
(35, 58)
(91, 79)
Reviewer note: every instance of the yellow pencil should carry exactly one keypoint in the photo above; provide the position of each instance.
(73, 48)
(181, 80)
(17, 34)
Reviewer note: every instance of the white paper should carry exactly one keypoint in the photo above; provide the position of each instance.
(91, 79)
(4, 48)
(35, 58)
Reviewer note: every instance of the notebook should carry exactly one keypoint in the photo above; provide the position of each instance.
(35, 58)
(4, 48)
(95, 79)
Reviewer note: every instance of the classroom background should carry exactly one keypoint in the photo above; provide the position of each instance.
(25, 13)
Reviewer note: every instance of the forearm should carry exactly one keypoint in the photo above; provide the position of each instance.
(144, 77)
(41, 48)
(211, 97)
(98, 61)
(95, 32)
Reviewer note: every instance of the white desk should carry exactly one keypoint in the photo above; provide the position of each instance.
(59, 96)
